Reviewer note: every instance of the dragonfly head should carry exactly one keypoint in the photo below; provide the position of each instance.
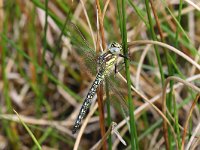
(115, 48)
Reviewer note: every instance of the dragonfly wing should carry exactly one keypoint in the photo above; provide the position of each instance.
(118, 95)
(81, 48)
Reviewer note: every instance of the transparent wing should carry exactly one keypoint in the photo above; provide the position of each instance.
(81, 48)
(118, 95)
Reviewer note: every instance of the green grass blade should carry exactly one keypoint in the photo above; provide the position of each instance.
(29, 132)
(133, 130)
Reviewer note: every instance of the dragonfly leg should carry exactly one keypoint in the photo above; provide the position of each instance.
(117, 69)
(125, 57)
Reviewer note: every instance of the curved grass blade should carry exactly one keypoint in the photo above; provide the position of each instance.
(29, 132)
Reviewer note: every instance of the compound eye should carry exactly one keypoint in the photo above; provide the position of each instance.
(114, 48)
(113, 44)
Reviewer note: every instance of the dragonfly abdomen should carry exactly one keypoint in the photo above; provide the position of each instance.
(88, 100)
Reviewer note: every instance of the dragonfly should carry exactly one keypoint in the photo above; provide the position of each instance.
(107, 62)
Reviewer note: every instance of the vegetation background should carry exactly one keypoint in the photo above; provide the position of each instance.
(47, 55)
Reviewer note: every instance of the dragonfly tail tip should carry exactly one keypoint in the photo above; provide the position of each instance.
(74, 131)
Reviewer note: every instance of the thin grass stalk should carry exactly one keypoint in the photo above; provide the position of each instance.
(133, 130)
(150, 129)
(159, 112)
(187, 121)
(42, 78)
(119, 15)
(3, 67)
(182, 40)
(35, 81)
(192, 48)
(45, 33)
(139, 110)
(187, 58)
(196, 143)
(192, 139)
(101, 112)
(176, 45)
(100, 89)
(164, 101)
(47, 132)
(169, 64)
(176, 122)
(29, 132)
(80, 133)
(154, 38)
(49, 75)
(139, 13)
(158, 58)
(6, 125)
(167, 55)
(101, 24)
(89, 24)
(58, 21)
(178, 19)
(167, 138)
(10, 128)
(60, 38)
(99, 144)
(36, 55)
(5, 83)
(2, 16)
(107, 92)
(108, 113)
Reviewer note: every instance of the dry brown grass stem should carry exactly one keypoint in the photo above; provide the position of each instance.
(188, 118)
(157, 20)
(156, 109)
(164, 100)
(197, 142)
(193, 4)
(59, 125)
(168, 113)
(101, 27)
(89, 24)
(100, 89)
(122, 133)
(193, 136)
(105, 8)
(1, 16)
(154, 99)
(139, 68)
(184, 11)
(133, 43)
(99, 144)
(196, 59)
(78, 138)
